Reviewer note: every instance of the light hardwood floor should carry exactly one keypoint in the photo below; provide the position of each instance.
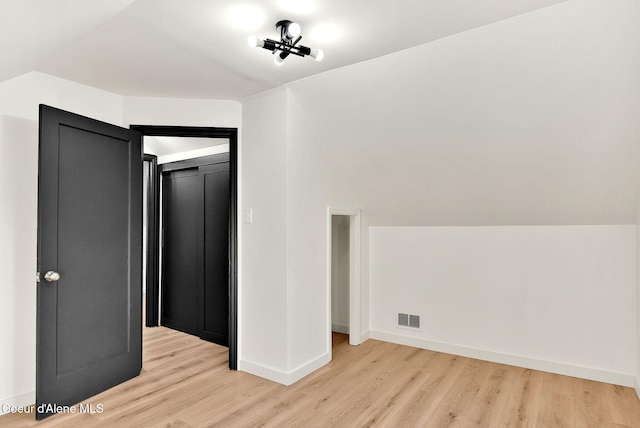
(185, 383)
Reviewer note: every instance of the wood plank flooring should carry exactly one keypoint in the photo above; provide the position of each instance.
(185, 383)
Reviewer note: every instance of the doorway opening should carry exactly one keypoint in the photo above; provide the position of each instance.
(343, 274)
(197, 139)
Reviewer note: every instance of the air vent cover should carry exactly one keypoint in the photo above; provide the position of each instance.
(403, 320)
(414, 321)
(408, 321)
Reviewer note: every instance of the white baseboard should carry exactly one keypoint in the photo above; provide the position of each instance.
(616, 378)
(340, 328)
(265, 372)
(638, 386)
(364, 336)
(22, 400)
(282, 377)
(308, 368)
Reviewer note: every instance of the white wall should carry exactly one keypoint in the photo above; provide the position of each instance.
(637, 383)
(263, 319)
(20, 97)
(340, 273)
(182, 112)
(285, 321)
(315, 181)
(555, 298)
(19, 100)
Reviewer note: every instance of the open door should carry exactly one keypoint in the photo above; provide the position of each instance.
(89, 326)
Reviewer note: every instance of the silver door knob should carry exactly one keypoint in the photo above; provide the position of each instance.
(51, 276)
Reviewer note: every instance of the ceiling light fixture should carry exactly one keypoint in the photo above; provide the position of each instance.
(290, 35)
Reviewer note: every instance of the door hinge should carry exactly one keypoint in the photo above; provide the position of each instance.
(37, 276)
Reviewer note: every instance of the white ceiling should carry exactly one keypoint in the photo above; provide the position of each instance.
(163, 146)
(198, 49)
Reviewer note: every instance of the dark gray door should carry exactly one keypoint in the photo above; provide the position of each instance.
(89, 327)
(181, 217)
(214, 319)
(195, 262)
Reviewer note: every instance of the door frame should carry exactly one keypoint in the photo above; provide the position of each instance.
(153, 261)
(354, 273)
(232, 135)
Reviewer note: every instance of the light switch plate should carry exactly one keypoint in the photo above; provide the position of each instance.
(248, 215)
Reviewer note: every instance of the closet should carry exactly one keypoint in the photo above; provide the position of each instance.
(195, 247)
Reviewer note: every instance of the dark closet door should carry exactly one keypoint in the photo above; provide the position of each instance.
(182, 201)
(195, 280)
(214, 324)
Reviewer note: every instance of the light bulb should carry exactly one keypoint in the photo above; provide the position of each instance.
(318, 54)
(255, 42)
(294, 30)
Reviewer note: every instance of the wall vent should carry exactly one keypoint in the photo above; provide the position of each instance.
(409, 321)
(414, 321)
(403, 320)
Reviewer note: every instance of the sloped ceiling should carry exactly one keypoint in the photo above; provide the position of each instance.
(198, 49)
(33, 31)
(530, 121)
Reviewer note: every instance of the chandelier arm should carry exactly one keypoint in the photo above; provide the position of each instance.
(296, 42)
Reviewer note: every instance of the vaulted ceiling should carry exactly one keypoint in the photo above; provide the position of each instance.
(198, 49)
